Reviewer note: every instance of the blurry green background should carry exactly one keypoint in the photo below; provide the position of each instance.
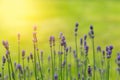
(54, 16)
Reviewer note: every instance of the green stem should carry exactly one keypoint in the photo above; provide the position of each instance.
(76, 57)
(85, 73)
(9, 69)
(52, 63)
(54, 66)
(61, 63)
(66, 68)
(18, 52)
(35, 61)
(40, 65)
(93, 59)
(3, 72)
(23, 70)
(28, 72)
(108, 67)
(13, 74)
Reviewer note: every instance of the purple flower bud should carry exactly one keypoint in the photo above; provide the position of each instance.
(91, 27)
(118, 57)
(18, 36)
(7, 53)
(66, 49)
(3, 60)
(103, 52)
(110, 47)
(86, 49)
(98, 49)
(19, 67)
(89, 71)
(91, 32)
(28, 59)
(23, 53)
(109, 52)
(78, 75)
(55, 77)
(76, 29)
(64, 62)
(85, 37)
(77, 24)
(85, 43)
(52, 41)
(31, 56)
(5, 44)
(107, 48)
(74, 53)
(81, 41)
(59, 53)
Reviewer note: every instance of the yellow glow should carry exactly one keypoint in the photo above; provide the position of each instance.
(18, 13)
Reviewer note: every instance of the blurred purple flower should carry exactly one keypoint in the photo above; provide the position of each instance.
(98, 49)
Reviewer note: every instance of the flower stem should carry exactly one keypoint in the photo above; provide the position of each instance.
(13, 74)
(9, 69)
(2, 72)
(52, 63)
(40, 65)
(94, 65)
(66, 67)
(23, 70)
(18, 52)
(108, 67)
(76, 57)
(35, 61)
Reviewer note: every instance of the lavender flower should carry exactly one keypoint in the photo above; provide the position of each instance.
(63, 42)
(6, 45)
(55, 77)
(89, 70)
(18, 36)
(81, 41)
(31, 56)
(109, 51)
(28, 59)
(23, 54)
(86, 50)
(52, 41)
(98, 49)
(118, 57)
(19, 67)
(85, 37)
(74, 53)
(3, 60)
(91, 32)
(76, 28)
(118, 60)
(77, 24)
